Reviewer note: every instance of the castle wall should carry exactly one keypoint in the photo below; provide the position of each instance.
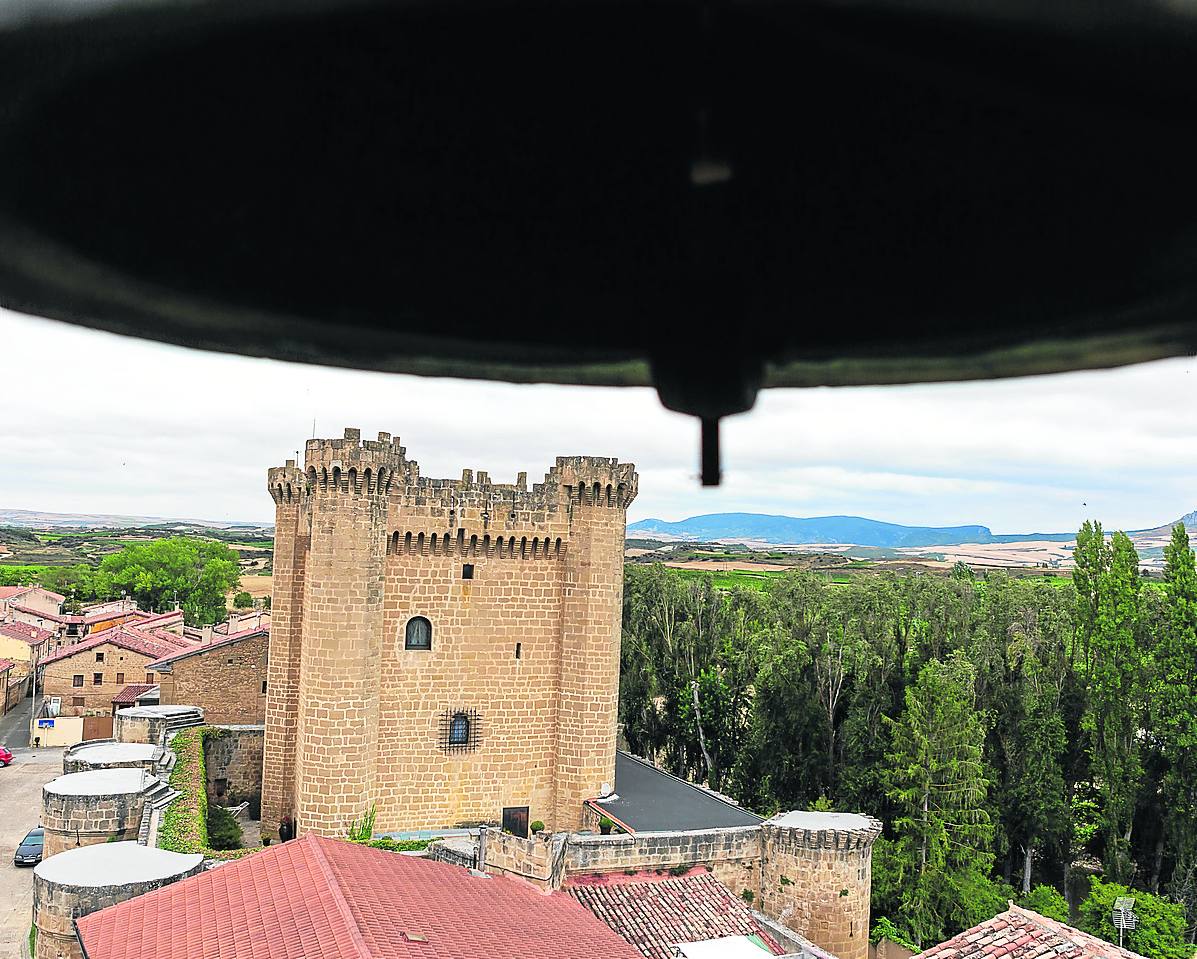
(472, 666)
(233, 762)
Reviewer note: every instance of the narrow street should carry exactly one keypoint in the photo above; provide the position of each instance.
(21, 801)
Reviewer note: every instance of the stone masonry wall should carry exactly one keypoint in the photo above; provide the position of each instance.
(56, 906)
(226, 681)
(234, 755)
(819, 884)
(72, 821)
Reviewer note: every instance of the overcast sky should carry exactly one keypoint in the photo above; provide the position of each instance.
(96, 423)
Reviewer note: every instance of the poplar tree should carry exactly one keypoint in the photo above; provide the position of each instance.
(1175, 720)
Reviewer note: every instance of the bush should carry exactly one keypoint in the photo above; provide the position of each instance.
(1047, 901)
(243, 600)
(224, 832)
(884, 929)
(395, 845)
(1161, 930)
(537, 826)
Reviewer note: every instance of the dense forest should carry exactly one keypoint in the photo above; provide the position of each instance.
(1016, 737)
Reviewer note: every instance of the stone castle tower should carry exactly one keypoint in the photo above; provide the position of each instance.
(446, 649)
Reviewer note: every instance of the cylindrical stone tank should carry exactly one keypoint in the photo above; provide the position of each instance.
(80, 809)
(817, 877)
(109, 754)
(82, 881)
(147, 724)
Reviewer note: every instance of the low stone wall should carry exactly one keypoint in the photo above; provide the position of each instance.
(233, 761)
(733, 855)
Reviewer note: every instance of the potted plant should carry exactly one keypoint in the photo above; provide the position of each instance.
(537, 827)
(605, 826)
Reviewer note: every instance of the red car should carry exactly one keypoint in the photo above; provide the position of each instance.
(5, 755)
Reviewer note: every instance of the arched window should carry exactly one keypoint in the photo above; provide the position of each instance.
(459, 730)
(418, 634)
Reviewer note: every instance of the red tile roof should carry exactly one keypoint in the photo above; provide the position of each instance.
(337, 900)
(6, 665)
(128, 696)
(8, 592)
(126, 637)
(33, 635)
(216, 642)
(655, 915)
(1022, 934)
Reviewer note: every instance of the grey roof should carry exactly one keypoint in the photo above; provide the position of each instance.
(651, 800)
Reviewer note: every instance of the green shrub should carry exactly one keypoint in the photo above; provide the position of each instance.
(362, 830)
(224, 832)
(884, 929)
(537, 826)
(1047, 901)
(243, 600)
(395, 845)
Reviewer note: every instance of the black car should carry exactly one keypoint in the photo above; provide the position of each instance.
(29, 853)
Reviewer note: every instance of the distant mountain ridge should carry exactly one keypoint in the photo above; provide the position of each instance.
(846, 530)
(28, 517)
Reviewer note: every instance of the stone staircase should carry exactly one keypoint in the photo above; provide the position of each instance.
(183, 720)
(157, 797)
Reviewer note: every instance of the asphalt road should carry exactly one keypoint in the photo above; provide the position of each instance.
(20, 810)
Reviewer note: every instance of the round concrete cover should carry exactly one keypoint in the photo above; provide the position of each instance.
(114, 864)
(99, 782)
(113, 752)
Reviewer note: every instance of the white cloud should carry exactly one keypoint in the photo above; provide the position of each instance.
(98, 423)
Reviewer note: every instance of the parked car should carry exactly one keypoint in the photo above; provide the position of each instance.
(29, 853)
(5, 755)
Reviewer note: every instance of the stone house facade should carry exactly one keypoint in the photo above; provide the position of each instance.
(87, 676)
(226, 677)
(447, 649)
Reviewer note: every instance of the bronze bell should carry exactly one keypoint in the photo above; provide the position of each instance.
(708, 197)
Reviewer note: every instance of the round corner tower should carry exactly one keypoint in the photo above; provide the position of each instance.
(447, 650)
(817, 877)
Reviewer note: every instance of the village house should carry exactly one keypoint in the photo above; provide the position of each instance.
(24, 646)
(224, 674)
(6, 687)
(86, 676)
(72, 627)
(33, 598)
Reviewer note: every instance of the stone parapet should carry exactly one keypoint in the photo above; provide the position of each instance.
(82, 809)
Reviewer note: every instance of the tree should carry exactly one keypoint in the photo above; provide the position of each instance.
(1175, 709)
(243, 600)
(937, 783)
(1160, 932)
(1115, 697)
(186, 572)
(1047, 901)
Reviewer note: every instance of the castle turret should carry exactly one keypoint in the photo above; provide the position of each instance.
(817, 877)
(596, 493)
(288, 489)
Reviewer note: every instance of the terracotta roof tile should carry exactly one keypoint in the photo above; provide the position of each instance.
(333, 899)
(1022, 934)
(655, 915)
(6, 665)
(129, 695)
(216, 642)
(153, 645)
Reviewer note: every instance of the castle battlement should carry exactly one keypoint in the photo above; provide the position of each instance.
(823, 830)
(351, 465)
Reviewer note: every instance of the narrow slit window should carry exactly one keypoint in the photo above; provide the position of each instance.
(518, 649)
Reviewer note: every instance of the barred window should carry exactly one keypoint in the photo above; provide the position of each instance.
(459, 729)
(418, 634)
